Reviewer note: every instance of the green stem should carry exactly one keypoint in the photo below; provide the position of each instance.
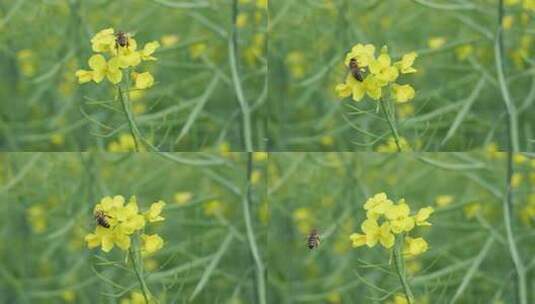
(260, 268)
(144, 289)
(125, 102)
(399, 264)
(233, 58)
(391, 123)
(520, 269)
(512, 119)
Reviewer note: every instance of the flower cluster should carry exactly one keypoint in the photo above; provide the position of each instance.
(379, 73)
(396, 219)
(123, 221)
(122, 55)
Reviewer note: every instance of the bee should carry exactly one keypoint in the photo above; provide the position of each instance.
(121, 39)
(102, 219)
(313, 239)
(355, 69)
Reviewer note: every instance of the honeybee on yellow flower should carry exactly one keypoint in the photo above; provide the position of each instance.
(121, 39)
(101, 218)
(355, 69)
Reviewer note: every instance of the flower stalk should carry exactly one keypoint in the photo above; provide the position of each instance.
(399, 265)
(138, 270)
(391, 123)
(125, 103)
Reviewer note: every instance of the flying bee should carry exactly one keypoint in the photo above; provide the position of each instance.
(313, 239)
(121, 39)
(102, 219)
(355, 69)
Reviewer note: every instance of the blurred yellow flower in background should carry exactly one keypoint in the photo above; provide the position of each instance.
(169, 40)
(125, 143)
(36, 216)
(213, 208)
(443, 200)
(27, 62)
(182, 198)
(436, 42)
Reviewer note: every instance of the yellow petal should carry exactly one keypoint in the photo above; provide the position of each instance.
(149, 49)
(122, 241)
(84, 76)
(151, 243)
(129, 60)
(114, 76)
(97, 63)
(358, 239)
(144, 80)
(343, 90)
(403, 93)
(107, 242)
(92, 240)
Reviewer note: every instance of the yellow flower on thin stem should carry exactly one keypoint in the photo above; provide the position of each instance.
(405, 64)
(415, 246)
(153, 214)
(143, 80)
(148, 50)
(107, 238)
(101, 69)
(375, 233)
(402, 93)
(399, 218)
(151, 244)
(363, 53)
(383, 71)
(103, 41)
(422, 216)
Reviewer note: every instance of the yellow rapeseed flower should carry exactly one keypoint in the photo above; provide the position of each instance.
(182, 198)
(123, 56)
(169, 40)
(383, 70)
(403, 93)
(436, 42)
(423, 215)
(125, 143)
(151, 244)
(443, 200)
(406, 62)
(120, 222)
(36, 216)
(213, 208)
(143, 80)
(399, 217)
(385, 220)
(103, 41)
(375, 233)
(377, 73)
(153, 214)
(148, 50)
(100, 68)
(415, 246)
